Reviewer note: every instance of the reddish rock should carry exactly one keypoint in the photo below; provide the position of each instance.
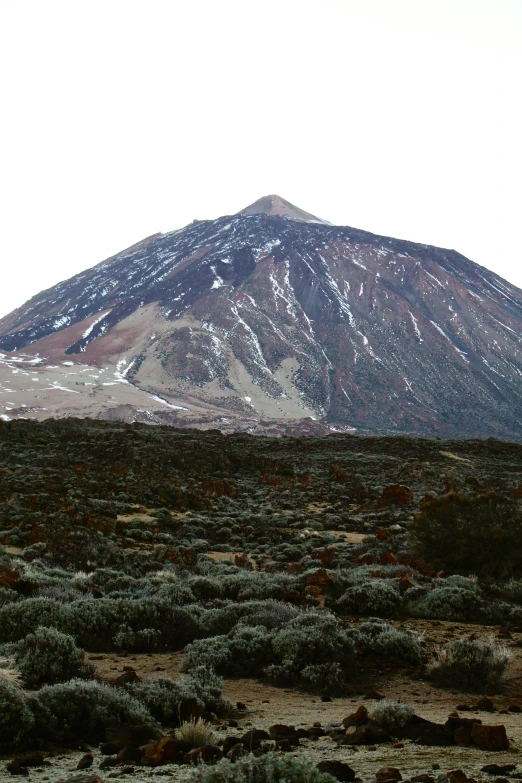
(457, 776)
(423, 779)
(490, 737)
(281, 732)
(162, 752)
(388, 774)
(130, 753)
(8, 577)
(357, 718)
(396, 495)
(364, 735)
(318, 582)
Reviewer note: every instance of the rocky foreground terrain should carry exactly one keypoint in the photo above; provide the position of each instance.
(343, 608)
(273, 321)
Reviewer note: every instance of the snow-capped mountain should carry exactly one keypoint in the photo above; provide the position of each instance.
(273, 319)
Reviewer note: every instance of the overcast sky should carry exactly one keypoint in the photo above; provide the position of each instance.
(121, 118)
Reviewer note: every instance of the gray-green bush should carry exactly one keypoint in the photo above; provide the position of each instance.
(470, 664)
(49, 656)
(16, 717)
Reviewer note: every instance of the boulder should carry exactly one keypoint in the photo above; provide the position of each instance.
(492, 738)
(425, 732)
(129, 753)
(357, 718)
(231, 742)
(165, 751)
(364, 735)
(236, 752)
(280, 731)
(253, 738)
(457, 776)
(486, 705)
(337, 769)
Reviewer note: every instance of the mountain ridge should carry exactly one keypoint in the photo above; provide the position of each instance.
(258, 321)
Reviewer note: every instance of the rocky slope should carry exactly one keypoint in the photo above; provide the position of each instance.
(273, 320)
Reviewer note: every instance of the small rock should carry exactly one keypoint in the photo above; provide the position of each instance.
(374, 696)
(463, 708)
(486, 705)
(15, 768)
(233, 724)
(86, 761)
(398, 745)
(337, 769)
(326, 698)
(423, 779)
(241, 706)
(388, 774)
(515, 708)
(84, 777)
(126, 677)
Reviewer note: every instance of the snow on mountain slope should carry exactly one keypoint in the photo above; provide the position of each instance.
(272, 320)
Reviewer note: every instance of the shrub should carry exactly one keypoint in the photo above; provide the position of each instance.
(172, 701)
(447, 603)
(391, 715)
(470, 665)
(378, 597)
(85, 709)
(382, 639)
(49, 656)
(196, 733)
(471, 534)
(16, 717)
(268, 768)
(310, 639)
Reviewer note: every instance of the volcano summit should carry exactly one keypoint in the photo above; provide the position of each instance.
(273, 320)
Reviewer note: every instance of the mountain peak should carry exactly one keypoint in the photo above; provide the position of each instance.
(275, 205)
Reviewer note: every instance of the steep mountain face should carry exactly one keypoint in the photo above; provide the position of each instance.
(274, 320)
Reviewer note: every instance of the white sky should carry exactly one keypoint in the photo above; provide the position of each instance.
(120, 118)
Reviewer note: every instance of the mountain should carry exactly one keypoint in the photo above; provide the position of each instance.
(273, 320)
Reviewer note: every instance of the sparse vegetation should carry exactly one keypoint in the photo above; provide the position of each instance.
(241, 551)
(470, 664)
